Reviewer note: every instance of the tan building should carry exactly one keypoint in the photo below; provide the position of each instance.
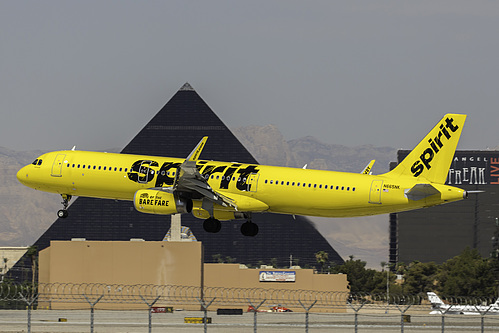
(173, 271)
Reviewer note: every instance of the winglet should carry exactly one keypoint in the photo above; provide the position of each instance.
(367, 169)
(194, 155)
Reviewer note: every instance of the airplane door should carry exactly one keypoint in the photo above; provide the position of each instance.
(57, 166)
(375, 194)
(252, 182)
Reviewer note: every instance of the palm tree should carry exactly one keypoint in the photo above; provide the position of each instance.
(322, 258)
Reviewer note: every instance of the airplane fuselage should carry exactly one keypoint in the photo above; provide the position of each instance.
(257, 187)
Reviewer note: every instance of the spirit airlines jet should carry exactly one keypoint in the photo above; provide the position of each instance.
(439, 307)
(216, 191)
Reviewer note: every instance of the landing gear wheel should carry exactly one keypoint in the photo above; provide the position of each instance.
(249, 229)
(212, 225)
(62, 213)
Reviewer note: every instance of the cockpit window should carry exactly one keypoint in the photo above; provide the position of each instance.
(35, 162)
(38, 161)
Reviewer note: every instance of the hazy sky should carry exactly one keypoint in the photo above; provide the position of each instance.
(93, 73)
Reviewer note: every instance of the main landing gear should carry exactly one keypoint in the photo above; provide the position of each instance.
(249, 228)
(63, 213)
(213, 225)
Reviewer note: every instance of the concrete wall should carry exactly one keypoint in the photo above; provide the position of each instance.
(135, 262)
(140, 263)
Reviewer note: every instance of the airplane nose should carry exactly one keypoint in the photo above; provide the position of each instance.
(22, 175)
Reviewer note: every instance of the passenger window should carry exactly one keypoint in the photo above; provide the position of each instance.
(353, 189)
(104, 168)
(271, 182)
(293, 184)
(342, 188)
(297, 184)
(348, 188)
(78, 166)
(99, 167)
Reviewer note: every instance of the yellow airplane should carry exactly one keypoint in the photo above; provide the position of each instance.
(216, 191)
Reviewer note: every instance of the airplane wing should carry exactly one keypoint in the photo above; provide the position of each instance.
(189, 179)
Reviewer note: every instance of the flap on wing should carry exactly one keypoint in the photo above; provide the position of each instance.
(245, 203)
(421, 191)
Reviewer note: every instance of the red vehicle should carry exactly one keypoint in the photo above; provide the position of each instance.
(277, 308)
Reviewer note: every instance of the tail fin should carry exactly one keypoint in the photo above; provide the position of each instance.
(432, 157)
(434, 299)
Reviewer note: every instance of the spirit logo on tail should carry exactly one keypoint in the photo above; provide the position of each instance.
(215, 191)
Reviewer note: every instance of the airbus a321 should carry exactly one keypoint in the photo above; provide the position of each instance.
(216, 191)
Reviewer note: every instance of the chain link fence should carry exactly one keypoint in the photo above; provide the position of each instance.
(310, 309)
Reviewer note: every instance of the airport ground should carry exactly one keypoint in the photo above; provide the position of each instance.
(137, 321)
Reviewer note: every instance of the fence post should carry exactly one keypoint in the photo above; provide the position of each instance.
(29, 303)
(150, 308)
(482, 315)
(307, 309)
(356, 310)
(92, 306)
(205, 309)
(402, 311)
(255, 309)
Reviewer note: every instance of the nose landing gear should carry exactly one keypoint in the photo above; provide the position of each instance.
(63, 213)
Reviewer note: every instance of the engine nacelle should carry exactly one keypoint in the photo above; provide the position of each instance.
(160, 202)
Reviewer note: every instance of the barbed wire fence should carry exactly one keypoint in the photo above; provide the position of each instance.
(108, 296)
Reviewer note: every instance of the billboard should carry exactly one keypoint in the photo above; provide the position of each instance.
(277, 276)
(473, 167)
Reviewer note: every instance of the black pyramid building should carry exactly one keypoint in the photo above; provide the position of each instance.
(174, 131)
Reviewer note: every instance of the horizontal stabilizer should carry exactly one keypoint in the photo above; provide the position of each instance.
(421, 191)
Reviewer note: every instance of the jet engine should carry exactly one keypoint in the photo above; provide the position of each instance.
(160, 202)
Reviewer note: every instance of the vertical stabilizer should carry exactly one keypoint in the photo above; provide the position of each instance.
(432, 157)
(434, 299)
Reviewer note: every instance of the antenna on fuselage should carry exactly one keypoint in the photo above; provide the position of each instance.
(74, 147)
